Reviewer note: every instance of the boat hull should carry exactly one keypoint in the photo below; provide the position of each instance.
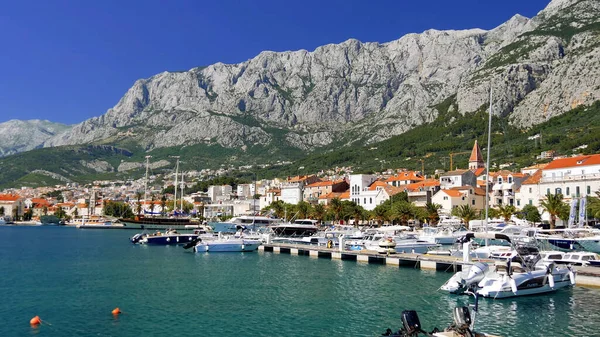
(227, 246)
(166, 240)
(527, 284)
(590, 244)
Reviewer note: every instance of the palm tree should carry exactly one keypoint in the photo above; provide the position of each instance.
(380, 213)
(553, 205)
(152, 203)
(138, 208)
(303, 209)
(433, 212)
(593, 206)
(278, 208)
(358, 214)
(163, 204)
(318, 212)
(506, 211)
(465, 212)
(421, 215)
(403, 211)
(336, 207)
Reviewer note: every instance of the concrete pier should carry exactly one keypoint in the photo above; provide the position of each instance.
(586, 276)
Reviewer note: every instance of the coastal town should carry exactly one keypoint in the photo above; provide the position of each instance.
(574, 178)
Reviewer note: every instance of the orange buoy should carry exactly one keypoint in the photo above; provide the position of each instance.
(35, 321)
(116, 311)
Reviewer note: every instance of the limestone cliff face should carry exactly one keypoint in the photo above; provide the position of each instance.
(551, 67)
(18, 136)
(538, 68)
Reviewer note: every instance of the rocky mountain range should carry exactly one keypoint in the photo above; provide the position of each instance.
(365, 92)
(19, 136)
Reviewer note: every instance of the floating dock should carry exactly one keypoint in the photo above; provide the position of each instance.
(586, 276)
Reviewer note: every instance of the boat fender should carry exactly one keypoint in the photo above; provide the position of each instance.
(168, 239)
(329, 243)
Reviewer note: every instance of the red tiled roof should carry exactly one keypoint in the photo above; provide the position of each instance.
(593, 159)
(476, 153)
(377, 183)
(340, 195)
(421, 184)
(298, 178)
(9, 197)
(534, 178)
(321, 183)
(537, 166)
(479, 171)
(453, 193)
(403, 176)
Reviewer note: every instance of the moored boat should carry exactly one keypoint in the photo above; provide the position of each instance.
(169, 237)
(253, 222)
(227, 245)
(526, 273)
(298, 228)
(159, 223)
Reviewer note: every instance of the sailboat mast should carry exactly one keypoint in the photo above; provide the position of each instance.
(182, 185)
(487, 184)
(146, 179)
(175, 185)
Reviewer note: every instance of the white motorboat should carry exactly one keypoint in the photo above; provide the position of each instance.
(579, 258)
(329, 237)
(404, 243)
(552, 255)
(440, 235)
(231, 244)
(524, 274)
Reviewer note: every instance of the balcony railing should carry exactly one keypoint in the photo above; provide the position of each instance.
(568, 177)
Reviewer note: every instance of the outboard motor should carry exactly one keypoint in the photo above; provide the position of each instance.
(462, 321)
(476, 273)
(462, 317)
(192, 243)
(137, 238)
(411, 322)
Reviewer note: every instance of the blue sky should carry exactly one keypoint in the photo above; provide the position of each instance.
(67, 61)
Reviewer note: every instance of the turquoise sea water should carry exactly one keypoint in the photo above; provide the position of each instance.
(74, 278)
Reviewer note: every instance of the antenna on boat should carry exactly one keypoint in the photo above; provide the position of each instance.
(487, 176)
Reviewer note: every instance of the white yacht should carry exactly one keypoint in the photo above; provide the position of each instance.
(244, 221)
(579, 258)
(441, 235)
(329, 237)
(524, 274)
(297, 228)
